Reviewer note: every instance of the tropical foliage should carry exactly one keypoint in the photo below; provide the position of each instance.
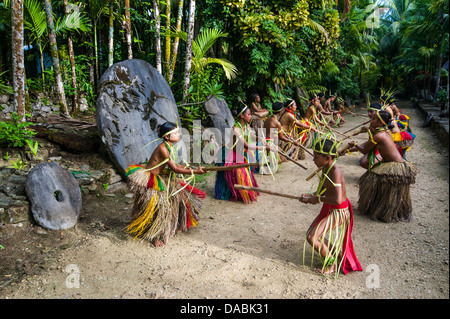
(277, 48)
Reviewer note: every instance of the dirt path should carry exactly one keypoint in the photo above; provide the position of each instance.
(245, 251)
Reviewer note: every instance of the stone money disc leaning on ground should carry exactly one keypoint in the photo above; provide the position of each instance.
(133, 99)
(54, 195)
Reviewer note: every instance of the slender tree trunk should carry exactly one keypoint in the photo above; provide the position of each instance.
(128, 28)
(18, 70)
(176, 41)
(96, 54)
(347, 6)
(75, 106)
(157, 35)
(111, 34)
(167, 47)
(190, 39)
(438, 76)
(41, 59)
(448, 82)
(55, 59)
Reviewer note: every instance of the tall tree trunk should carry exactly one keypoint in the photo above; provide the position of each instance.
(18, 70)
(190, 39)
(41, 59)
(448, 82)
(111, 34)
(128, 28)
(75, 106)
(167, 48)
(55, 59)
(347, 6)
(438, 76)
(157, 35)
(96, 54)
(176, 41)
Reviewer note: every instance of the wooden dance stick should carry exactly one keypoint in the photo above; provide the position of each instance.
(360, 115)
(344, 149)
(357, 126)
(257, 189)
(343, 134)
(229, 168)
(313, 174)
(290, 158)
(351, 135)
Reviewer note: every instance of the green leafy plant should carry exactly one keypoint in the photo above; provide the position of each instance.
(7, 156)
(18, 165)
(14, 133)
(33, 148)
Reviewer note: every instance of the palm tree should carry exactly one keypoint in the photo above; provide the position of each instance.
(157, 35)
(35, 22)
(128, 28)
(204, 41)
(55, 59)
(173, 56)
(189, 40)
(18, 57)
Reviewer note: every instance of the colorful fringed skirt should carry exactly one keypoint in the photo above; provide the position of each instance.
(403, 140)
(337, 235)
(384, 191)
(162, 205)
(225, 180)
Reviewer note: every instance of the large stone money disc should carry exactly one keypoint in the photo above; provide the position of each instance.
(133, 99)
(54, 195)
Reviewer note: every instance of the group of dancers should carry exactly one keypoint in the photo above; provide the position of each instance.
(165, 202)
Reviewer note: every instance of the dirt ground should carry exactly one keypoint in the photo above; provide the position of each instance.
(242, 251)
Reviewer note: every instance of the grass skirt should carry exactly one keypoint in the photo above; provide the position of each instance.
(225, 181)
(291, 150)
(338, 233)
(162, 206)
(384, 191)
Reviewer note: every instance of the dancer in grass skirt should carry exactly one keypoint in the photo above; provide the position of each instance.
(163, 203)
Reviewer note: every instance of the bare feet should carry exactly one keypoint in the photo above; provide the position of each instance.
(158, 243)
(327, 269)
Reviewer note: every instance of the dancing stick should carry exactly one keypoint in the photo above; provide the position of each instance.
(357, 126)
(344, 149)
(360, 115)
(353, 134)
(346, 109)
(229, 168)
(257, 189)
(290, 158)
(313, 174)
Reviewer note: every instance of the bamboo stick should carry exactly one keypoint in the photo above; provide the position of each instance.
(344, 149)
(313, 174)
(351, 135)
(357, 126)
(360, 115)
(290, 158)
(229, 168)
(257, 189)
(300, 145)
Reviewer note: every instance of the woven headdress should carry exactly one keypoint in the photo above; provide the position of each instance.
(327, 144)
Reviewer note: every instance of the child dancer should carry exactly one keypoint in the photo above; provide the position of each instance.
(163, 203)
(238, 153)
(336, 216)
(384, 190)
(297, 129)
